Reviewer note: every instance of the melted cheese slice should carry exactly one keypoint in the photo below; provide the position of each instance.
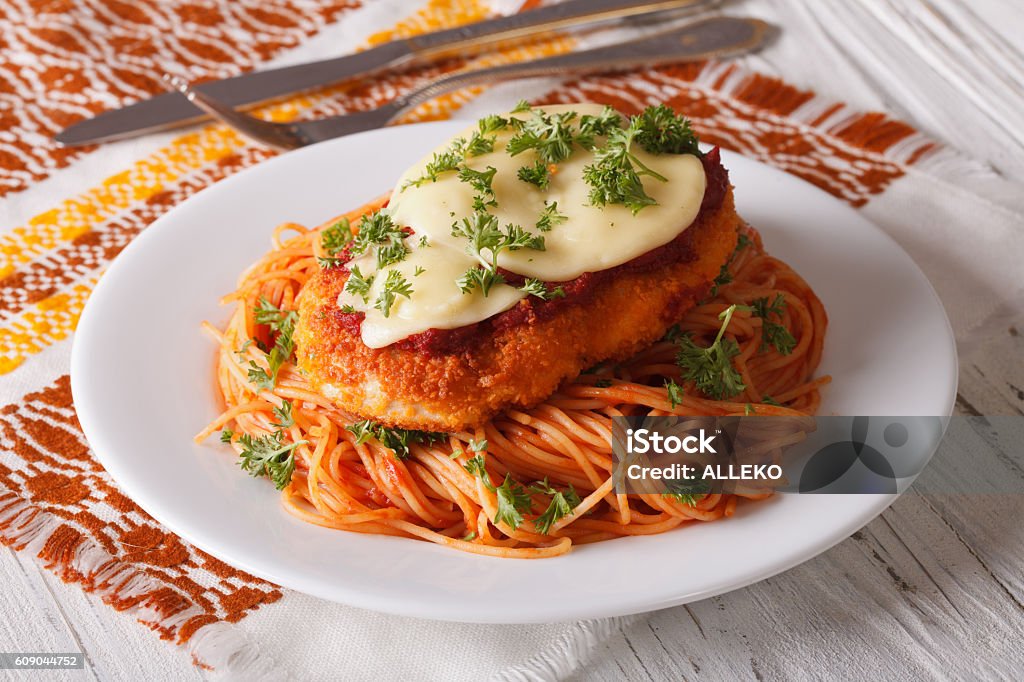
(436, 301)
(591, 238)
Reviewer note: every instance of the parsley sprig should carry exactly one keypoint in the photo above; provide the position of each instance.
(379, 233)
(282, 325)
(661, 131)
(561, 505)
(711, 369)
(395, 285)
(675, 393)
(269, 456)
(336, 237)
(551, 136)
(513, 499)
(481, 182)
(535, 287)
(486, 240)
(687, 491)
(539, 174)
(549, 217)
(332, 240)
(396, 440)
(615, 175)
(359, 285)
(773, 333)
(453, 158)
(725, 273)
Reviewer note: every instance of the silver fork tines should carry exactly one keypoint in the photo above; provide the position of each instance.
(281, 136)
(715, 37)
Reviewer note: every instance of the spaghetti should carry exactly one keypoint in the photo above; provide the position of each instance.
(340, 482)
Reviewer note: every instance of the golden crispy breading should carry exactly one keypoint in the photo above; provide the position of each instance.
(500, 368)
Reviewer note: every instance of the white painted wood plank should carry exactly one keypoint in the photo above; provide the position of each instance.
(118, 646)
(33, 622)
(43, 614)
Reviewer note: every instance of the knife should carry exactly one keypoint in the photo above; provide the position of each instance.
(172, 110)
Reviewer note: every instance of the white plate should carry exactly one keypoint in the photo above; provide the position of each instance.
(142, 376)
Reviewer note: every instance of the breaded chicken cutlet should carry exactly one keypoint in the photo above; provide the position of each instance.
(515, 326)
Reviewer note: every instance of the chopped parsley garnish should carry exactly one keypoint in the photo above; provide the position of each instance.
(336, 237)
(395, 252)
(418, 271)
(562, 504)
(724, 277)
(395, 285)
(479, 145)
(522, 106)
(260, 376)
(539, 174)
(724, 274)
(283, 415)
(602, 124)
(535, 287)
(348, 308)
(603, 383)
(479, 277)
(282, 324)
(424, 242)
(269, 456)
(513, 499)
(226, 435)
(550, 217)
(614, 176)
(551, 136)
(687, 491)
(379, 232)
(481, 182)
(452, 159)
(773, 333)
(447, 161)
(768, 400)
(396, 440)
(484, 235)
(482, 141)
(488, 125)
(661, 131)
(357, 285)
(675, 393)
(711, 369)
(328, 263)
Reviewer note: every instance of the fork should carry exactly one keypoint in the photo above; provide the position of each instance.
(715, 37)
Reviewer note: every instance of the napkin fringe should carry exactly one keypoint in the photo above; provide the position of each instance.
(568, 654)
(76, 558)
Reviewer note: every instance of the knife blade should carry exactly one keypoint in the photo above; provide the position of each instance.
(172, 110)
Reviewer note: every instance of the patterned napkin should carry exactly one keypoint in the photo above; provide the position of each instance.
(68, 212)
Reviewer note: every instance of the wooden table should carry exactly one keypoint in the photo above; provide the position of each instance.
(934, 586)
